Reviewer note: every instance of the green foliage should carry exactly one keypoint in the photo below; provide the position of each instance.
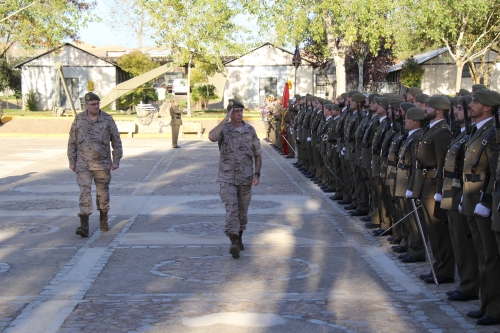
(145, 93)
(9, 78)
(31, 100)
(204, 94)
(137, 63)
(412, 73)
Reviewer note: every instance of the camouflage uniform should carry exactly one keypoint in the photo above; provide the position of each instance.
(88, 149)
(237, 151)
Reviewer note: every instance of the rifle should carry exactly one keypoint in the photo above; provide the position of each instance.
(453, 124)
(497, 124)
(401, 125)
(466, 117)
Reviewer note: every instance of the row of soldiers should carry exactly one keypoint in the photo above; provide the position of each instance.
(424, 169)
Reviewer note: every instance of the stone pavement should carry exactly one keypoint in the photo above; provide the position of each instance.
(164, 265)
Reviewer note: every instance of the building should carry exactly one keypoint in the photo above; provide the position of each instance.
(263, 71)
(440, 72)
(83, 71)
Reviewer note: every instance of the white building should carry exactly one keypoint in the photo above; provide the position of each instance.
(263, 71)
(440, 72)
(83, 71)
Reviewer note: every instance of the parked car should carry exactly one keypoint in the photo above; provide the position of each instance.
(179, 86)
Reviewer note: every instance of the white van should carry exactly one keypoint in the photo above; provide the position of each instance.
(179, 86)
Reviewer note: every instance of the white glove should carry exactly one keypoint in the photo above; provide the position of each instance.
(460, 208)
(291, 130)
(438, 197)
(462, 199)
(409, 194)
(482, 210)
(308, 139)
(342, 152)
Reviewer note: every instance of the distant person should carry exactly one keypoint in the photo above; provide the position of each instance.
(239, 146)
(175, 122)
(90, 157)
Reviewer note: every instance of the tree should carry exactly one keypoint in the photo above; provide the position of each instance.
(468, 29)
(137, 63)
(197, 29)
(411, 73)
(131, 16)
(41, 23)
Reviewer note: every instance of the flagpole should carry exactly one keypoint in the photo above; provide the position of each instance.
(295, 82)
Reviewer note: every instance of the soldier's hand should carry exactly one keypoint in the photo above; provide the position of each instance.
(73, 167)
(229, 113)
(255, 180)
(114, 166)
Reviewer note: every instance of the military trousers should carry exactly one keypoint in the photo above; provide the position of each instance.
(465, 253)
(101, 178)
(352, 180)
(175, 134)
(416, 247)
(485, 243)
(236, 199)
(337, 168)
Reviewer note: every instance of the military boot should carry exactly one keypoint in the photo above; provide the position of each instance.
(83, 229)
(103, 221)
(235, 246)
(242, 247)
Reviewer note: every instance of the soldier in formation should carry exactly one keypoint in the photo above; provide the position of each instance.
(417, 168)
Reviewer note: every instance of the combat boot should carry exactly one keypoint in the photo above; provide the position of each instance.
(103, 221)
(242, 247)
(83, 229)
(235, 246)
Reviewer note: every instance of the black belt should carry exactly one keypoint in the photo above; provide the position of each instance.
(451, 175)
(392, 163)
(403, 166)
(176, 117)
(420, 166)
(472, 178)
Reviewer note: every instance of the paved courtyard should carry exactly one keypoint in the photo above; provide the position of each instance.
(164, 264)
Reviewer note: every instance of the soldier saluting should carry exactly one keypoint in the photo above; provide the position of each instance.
(239, 146)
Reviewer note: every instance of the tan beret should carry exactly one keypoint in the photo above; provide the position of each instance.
(439, 102)
(415, 114)
(486, 97)
(422, 98)
(358, 97)
(90, 96)
(415, 91)
(384, 102)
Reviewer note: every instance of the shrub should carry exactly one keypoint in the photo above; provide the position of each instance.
(31, 100)
(412, 73)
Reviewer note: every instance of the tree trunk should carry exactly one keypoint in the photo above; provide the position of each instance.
(363, 51)
(460, 67)
(473, 72)
(189, 87)
(337, 48)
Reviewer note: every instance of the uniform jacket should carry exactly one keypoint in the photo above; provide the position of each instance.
(406, 165)
(351, 123)
(358, 135)
(452, 173)
(367, 141)
(176, 114)
(376, 145)
(237, 151)
(431, 154)
(496, 201)
(483, 179)
(88, 145)
(392, 159)
(340, 130)
(333, 136)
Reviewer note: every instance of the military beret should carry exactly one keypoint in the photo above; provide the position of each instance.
(293, 108)
(310, 98)
(486, 97)
(415, 91)
(439, 102)
(336, 107)
(234, 103)
(464, 92)
(406, 106)
(415, 114)
(358, 97)
(343, 95)
(395, 103)
(327, 101)
(329, 106)
(307, 95)
(90, 96)
(297, 96)
(467, 99)
(497, 96)
(422, 98)
(477, 87)
(372, 96)
(454, 101)
(352, 92)
(384, 102)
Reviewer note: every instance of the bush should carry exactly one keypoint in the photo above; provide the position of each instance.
(412, 73)
(31, 100)
(144, 94)
(204, 93)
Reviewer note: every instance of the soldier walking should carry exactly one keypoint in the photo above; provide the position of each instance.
(239, 146)
(90, 157)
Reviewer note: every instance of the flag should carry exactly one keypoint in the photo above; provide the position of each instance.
(297, 60)
(286, 95)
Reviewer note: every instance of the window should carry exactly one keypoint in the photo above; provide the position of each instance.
(269, 85)
(320, 80)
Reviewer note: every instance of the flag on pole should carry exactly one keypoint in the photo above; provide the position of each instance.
(297, 60)
(286, 95)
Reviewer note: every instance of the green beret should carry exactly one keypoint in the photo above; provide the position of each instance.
(343, 95)
(358, 97)
(406, 106)
(464, 92)
(297, 96)
(466, 98)
(336, 107)
(329, 106)
(352, 92)
(415, 91)
(486, 97)
(454, 101)
(384, 102)
(307, 95)
(310, 97)
(90, 96)
(477, 87)
(415, 114)
(422, 98)
(439, 102)
(234, 103)
(497, 96)
(372, 96)
(395, 103)
(327, 101)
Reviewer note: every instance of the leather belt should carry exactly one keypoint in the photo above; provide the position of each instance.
(403, 166)
(176, 117)
(472, 178)
(451, 175)
(392, 163)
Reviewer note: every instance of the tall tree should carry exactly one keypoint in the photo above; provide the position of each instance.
(39, 23)
(131, 16)
(468, 29)
(197, 29)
